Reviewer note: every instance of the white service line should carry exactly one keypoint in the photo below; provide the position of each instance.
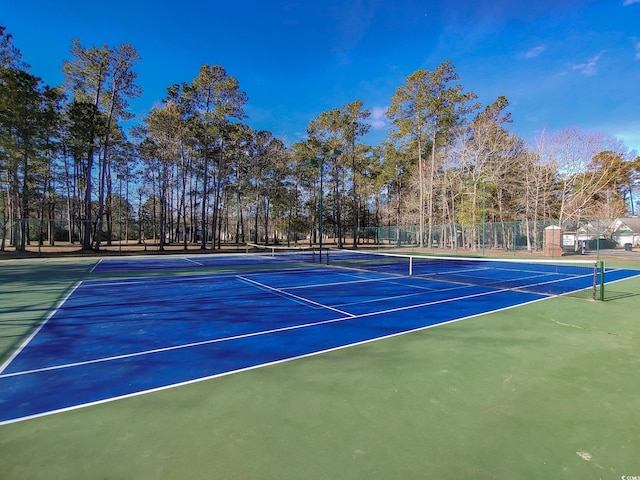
(291, 295)
(193, 261)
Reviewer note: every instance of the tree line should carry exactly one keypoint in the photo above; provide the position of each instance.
(192, 171)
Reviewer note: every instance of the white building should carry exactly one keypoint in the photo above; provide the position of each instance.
(626, 230)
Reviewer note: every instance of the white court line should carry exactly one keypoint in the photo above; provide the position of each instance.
(386, 278)
(291, 295)
(393, 279)
(393, 297)
(194, 277)
(193, 261)
(346, 282)
(168, 349)
(35, 332)
(517, 288)
(96, 265)
(133, 263)
(381, 299)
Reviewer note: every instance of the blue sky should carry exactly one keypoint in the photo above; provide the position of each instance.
(561, 63)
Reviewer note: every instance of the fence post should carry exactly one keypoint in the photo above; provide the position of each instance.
(598, 239)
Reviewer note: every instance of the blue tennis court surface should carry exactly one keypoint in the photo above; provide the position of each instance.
(222, 262)
(115, 338)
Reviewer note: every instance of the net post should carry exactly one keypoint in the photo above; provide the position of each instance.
(410, 266)
(601, 298)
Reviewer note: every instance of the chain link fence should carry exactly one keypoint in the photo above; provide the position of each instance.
(578, 235)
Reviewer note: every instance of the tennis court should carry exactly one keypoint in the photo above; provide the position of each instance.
(124, 332)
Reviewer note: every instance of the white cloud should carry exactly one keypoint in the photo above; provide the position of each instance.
(589, 68)
(631, 139)
(629, 2)
(378, 119)
(534, 52)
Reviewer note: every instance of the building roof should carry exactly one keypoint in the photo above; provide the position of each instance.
(626, 225)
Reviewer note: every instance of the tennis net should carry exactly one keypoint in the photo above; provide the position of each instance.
(284, 254)
(582, 278)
